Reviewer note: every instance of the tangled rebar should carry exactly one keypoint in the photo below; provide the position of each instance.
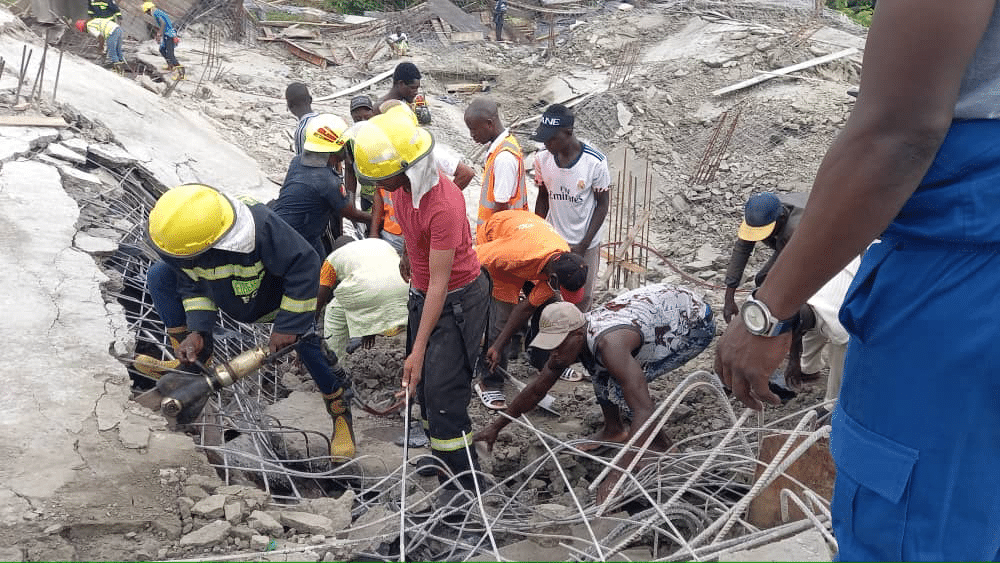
(684, 504)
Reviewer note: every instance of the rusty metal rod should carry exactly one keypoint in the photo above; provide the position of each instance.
(20, 75)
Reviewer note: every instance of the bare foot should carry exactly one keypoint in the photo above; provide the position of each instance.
(596, 440)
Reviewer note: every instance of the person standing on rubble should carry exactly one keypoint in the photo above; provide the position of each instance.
(449, 295)
(313, 193)
(518, 247)
(299, 103)
(504, 185)
(109, 36)
(624, 344)
(406, 88)
(103, 9)
(917, 425)
(166, 35)
(768, 219)
(236, 255)
(573, 189)
(362, 109)
(499, 11)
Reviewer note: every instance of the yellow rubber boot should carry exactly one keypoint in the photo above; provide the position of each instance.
(152, 367)
(342, 440)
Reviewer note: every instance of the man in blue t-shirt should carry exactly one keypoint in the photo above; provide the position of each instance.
(313, 192)
(166, 35)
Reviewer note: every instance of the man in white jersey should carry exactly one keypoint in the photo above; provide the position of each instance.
(573, 189)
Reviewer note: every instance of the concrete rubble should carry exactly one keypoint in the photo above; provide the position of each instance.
(91, 475)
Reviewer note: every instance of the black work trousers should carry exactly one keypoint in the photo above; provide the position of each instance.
(444, 390)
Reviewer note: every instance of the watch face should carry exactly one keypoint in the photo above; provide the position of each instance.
(754, 318)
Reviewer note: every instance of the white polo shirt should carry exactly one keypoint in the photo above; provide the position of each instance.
(573, 191)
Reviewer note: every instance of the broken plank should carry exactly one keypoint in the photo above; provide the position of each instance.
(465, 36)
(783, 71)
(307, 55)
(351, 53)
(465, 88)
(377, 78)
(32, 121)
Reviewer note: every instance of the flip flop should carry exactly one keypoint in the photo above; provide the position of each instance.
(571, 375)
(489, 397)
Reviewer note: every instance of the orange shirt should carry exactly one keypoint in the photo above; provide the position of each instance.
(515, 248)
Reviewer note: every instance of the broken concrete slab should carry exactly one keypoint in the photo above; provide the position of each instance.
(76, 179)
(134, 432)
(338, 510)
(212, 533)
(303, 410)
(264, 522)
(306, 522)
(63, 152)
(74, 143)
(36, 137)
(806, 546)
(97, 246)
(109, 155)
(211, 507)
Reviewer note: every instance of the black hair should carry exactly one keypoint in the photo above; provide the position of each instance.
(297, 94)
(407, 72)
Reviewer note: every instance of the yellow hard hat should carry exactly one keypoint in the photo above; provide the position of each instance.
(388, 144)
(147, 6)
(325, 133)
(188, 219)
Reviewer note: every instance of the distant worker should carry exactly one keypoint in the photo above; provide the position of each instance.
(299, 103)
(624, 344)
(103, 9)
(767, 218)
(519, 247)
(405, 88)
(449, 295)
(109, 35)
(573, 189)
(499, 11)
(504, 186)
(362, 109)
(236, 255)
(397, 42)
(166, 35)
(312, 195)
(368, 295)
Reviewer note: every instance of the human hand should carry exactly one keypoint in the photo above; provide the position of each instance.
(404, 267)
(492, 358)
(793, 376)
(368, 341)
(280, 341)
(729, 310)
(188, 350)
(745, 362)
(412, 372)
(487, 435)
(578, 249)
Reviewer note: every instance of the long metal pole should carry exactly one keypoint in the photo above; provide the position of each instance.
(58, 70)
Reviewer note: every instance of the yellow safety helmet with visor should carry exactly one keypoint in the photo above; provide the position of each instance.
(188, 219)
(388, 144)
(148, 7)
(325, 133)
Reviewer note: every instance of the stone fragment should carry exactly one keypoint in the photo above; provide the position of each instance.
(205, 482)
(195, 492)
(806, 546)
(211, 507)
(234, 511)
(75, 144)
(210, 534)
(103, 247)
(242, 532)
(338, 510)
(62, 152)
(259, 543)
(264, 522)
(109, 155)
(307, 522)
(73, 178)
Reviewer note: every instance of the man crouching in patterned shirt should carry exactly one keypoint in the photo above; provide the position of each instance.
(624, 344)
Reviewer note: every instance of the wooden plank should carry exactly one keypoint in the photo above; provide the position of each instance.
(630, 236)
(464, 88)
(782, 71)
(377, 78)
(306, 54)
(32, 121)
(630, 266)
(466, 36)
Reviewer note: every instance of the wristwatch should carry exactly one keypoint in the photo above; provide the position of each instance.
(757, 318)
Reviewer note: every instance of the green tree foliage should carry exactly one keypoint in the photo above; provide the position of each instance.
(858, 10)
(359, 7)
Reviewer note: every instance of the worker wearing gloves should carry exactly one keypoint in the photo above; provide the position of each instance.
(449, 294)
(109, 35)
(518, 247)
(236, 255)
(368, 295)
(166, 35)
(624, 344)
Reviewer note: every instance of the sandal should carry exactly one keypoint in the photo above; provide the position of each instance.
(489, 397)
(571, 375)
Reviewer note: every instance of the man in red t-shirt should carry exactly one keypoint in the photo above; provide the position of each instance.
(449, 294)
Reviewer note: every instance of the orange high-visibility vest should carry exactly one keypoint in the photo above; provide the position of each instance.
(487, 201)
(389, 223)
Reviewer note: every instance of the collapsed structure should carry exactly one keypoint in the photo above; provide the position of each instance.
(641, 81)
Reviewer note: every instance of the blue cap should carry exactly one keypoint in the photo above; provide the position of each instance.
(759, 217)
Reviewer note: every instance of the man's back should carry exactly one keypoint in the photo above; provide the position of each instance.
(308, 197)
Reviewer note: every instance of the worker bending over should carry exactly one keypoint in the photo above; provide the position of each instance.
(236, 255)
(109, 35)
